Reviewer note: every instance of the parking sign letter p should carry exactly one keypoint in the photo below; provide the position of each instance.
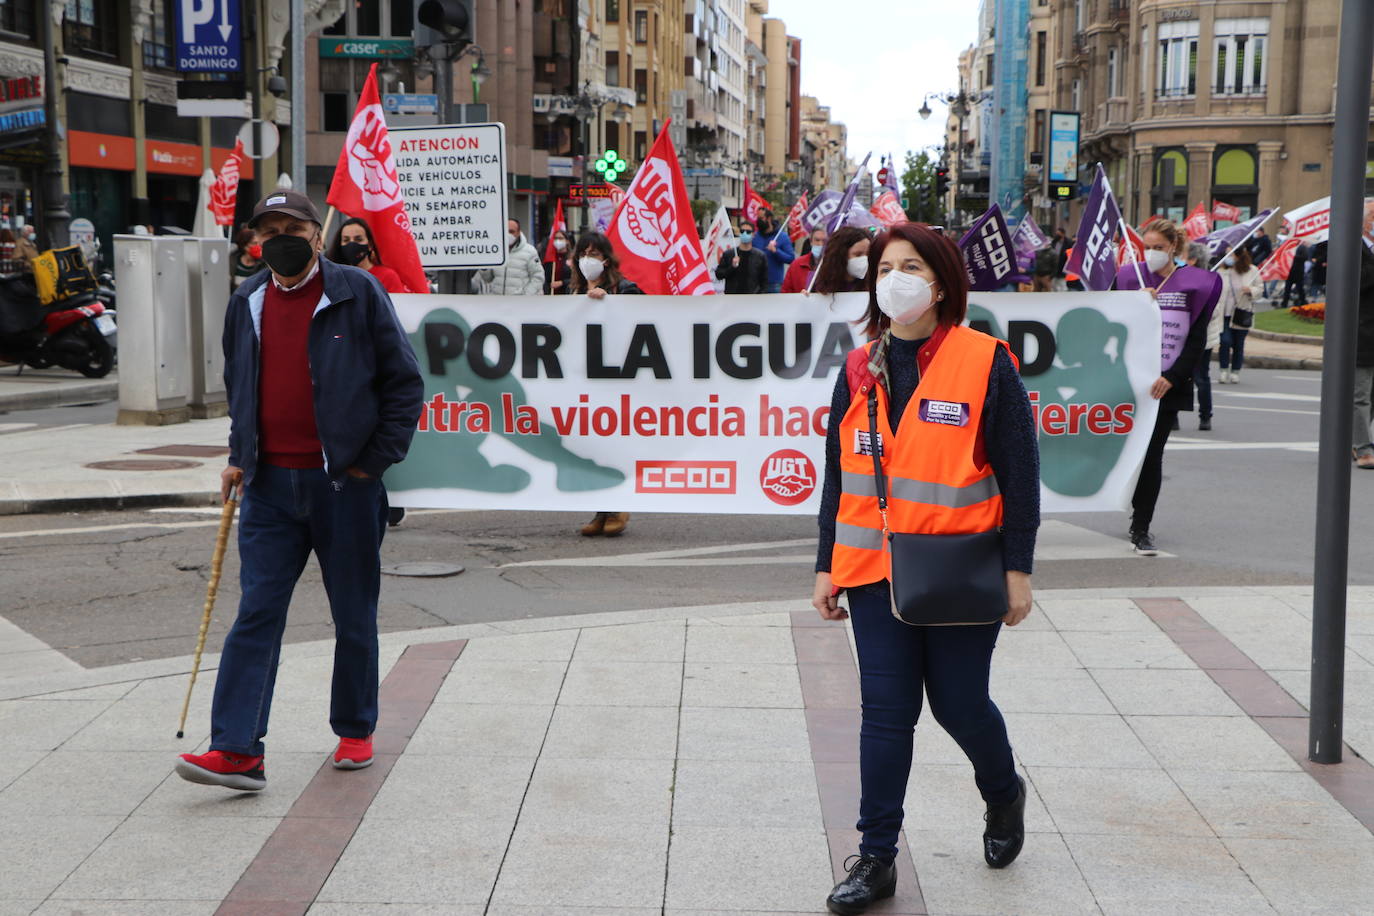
(194, 13)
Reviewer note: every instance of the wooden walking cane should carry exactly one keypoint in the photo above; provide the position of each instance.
(226, 521)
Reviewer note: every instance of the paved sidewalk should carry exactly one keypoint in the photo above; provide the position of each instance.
(704, 760)
(36, 388)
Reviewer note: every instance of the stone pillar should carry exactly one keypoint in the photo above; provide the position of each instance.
(1199, 175)
(1268, 177)
(1145, 179)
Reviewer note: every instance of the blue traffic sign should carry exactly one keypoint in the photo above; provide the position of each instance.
(209, 36)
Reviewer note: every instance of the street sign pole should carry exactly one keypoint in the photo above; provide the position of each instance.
(298, 96)
(1338, 377)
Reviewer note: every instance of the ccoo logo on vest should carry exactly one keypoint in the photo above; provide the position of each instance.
(788, 477)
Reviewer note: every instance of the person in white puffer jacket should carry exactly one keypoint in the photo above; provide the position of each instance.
(521, 275)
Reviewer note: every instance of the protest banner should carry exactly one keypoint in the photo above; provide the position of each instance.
(675, 404)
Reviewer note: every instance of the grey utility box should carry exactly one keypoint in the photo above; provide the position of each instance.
(207, 290)
(154, 331)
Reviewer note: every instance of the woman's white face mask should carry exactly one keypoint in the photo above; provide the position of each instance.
(904, 297)
(592, 268)
(1156, 260)
(858, 267)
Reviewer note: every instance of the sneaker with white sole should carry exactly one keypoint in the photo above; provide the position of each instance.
(353, 753)
(220, 768)
(1144, 544)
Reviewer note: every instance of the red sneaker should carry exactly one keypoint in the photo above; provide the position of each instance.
(218, 768)
(353, 753)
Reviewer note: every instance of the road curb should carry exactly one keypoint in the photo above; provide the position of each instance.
(96, 503)
(1286, 338)
(59, 396)
(1313, 364)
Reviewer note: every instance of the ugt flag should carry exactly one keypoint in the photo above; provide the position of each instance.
(1224, 212)
(1278, 264)
(795, 230)
(887, 209)
(1027, 239)
(224, 192)
(365, 185)
(653, 231)
(1232, 236)
(754, 203)
(988, 256)
(559, 225)
(1092, 259)
(1197, 224)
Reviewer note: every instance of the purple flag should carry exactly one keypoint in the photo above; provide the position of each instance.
(847, 201)
(988, 254)
(1093, 258)
(1027, 239)
(892, 177)
(1232, 236)
(825, 209)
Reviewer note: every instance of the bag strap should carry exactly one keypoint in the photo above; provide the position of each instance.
(875, 447)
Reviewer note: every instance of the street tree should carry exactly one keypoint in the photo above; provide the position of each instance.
(918, 187)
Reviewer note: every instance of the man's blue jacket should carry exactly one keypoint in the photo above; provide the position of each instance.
(368, 389)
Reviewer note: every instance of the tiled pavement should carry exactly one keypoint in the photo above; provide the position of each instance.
(703, 760)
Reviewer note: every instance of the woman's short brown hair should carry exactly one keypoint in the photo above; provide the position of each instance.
(941, 255)
(1170, 231)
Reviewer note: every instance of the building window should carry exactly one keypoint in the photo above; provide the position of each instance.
(1144, 57)
(1076, 95)
(641, 145)
(1040, 43)
(1178, 59)
(157, 43)
(89, 25)
(641, 86)
(1241, 61)
(612, 68)
(365, 19)
(1113, 73)
(16, 16)
(341, 82)
(1038, 137)
(641, 26)
(402, 17)
(612, 10)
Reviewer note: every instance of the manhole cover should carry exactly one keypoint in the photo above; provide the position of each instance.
(423, 570)
(143, 464)
(187, 451)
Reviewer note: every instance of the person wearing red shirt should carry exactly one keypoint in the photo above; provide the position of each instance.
(799, 271)
(355, 246)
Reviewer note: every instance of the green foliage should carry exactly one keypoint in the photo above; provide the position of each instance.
(703, 211)
(920, 174)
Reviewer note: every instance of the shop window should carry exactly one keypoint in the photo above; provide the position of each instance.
(1178, 42)
(1240, 55)
(157, 41)
(1235, 178)
(16, 17)
(89, 25)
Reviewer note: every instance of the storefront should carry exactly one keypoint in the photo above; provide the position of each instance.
(22, 133)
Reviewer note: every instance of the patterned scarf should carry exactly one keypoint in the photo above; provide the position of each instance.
(877, 361)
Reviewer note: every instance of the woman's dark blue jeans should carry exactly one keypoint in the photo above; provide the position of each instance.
(286, 514)
(1232, 352)
(895, 662)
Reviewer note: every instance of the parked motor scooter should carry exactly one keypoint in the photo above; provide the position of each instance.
(73, 332)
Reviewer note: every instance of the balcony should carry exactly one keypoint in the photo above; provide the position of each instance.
(1080, 45)
(1112, 115)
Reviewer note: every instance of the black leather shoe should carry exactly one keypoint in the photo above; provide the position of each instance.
(1006, 830)
(870, 880)
(1205, 425)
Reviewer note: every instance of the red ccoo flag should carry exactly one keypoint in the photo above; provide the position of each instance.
(559, 225)
(1225, 212)
(1197, 224)
(224, 192)
(754, 203)
(653, 231)
(365, 184)
(1278, 264)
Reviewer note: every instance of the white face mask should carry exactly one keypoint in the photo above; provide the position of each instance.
(904, 297)
(560, 245)
(858, 267)
(1156, 259)
(592, 268)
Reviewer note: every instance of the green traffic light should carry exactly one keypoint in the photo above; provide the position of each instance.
(600, 166)
(611, 155)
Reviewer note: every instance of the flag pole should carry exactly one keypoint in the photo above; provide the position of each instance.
(1247, 236)
(328, 218)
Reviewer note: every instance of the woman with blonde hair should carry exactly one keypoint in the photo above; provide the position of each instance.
(1186, 297)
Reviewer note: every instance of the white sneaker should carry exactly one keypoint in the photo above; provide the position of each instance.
(1235, 376)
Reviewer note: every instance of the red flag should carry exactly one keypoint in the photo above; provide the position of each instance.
(1278, 264)
(559, 225)
(653, 231)
(365, 184)
(754, 204)
(1197, 224)
(1226, 212)
(225, 191)
(887, 209)
(1132, 247)
(795, 230)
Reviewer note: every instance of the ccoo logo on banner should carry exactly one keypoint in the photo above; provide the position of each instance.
(721, 404)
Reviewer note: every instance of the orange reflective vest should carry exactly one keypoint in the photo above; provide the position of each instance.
(938, 478)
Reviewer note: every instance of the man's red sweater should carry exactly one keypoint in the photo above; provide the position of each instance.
(286, 404)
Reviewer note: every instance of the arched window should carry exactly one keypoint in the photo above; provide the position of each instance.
(1235, 179)
(1169, 196)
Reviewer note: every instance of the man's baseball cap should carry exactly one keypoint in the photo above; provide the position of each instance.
(291, 203)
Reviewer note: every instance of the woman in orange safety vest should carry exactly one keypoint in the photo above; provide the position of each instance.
(962, 459)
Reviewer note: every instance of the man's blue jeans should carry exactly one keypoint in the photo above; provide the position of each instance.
(286, 514)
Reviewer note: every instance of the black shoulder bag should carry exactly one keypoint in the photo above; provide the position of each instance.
(939, 579)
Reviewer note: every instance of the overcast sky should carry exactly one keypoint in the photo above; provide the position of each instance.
(872, 65)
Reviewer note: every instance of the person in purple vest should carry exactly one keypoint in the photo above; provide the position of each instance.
(1186, 296)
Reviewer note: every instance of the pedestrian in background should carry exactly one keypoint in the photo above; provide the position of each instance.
(1297, 274)
(1261, 247)
(744, 268)
(558, 271)
(26, 247)
(1240, 284)
(777, 248)
(596, 274)
(324, 395)
(918, 299)
(1316, 274)
(1202, 375)
(1364, 347)
(247, 259)
(521, 275)
(799, 272)
(844, 269)
(355, 246)
(1186, 296)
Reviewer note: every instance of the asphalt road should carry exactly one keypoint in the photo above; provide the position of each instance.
(1236, 509)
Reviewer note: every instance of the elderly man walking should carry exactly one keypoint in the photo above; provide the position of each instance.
(324, 395)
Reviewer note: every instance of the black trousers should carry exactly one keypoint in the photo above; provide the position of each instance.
(1291, 284)
(1152, 472)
